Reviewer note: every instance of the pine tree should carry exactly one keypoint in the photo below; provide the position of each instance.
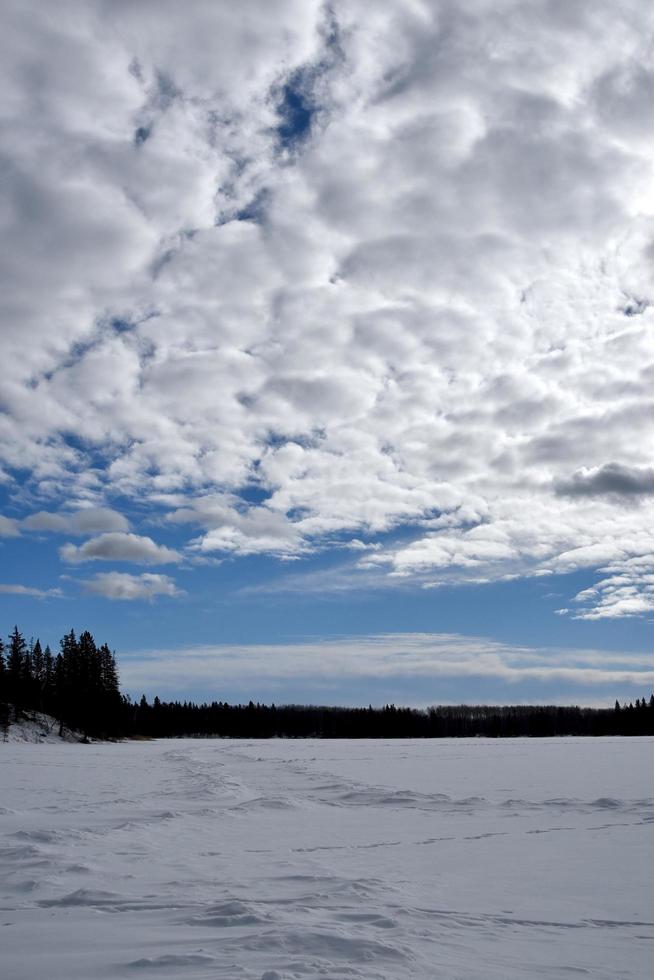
(3, 674)
(109, 671)
(17, 667)
(38, 674)
(48, 678)
(38, 663)
(66, 674)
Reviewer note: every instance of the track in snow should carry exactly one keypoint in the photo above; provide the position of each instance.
(349, 859)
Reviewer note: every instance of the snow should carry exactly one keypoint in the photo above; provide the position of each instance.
(457, 859)
(35, 726)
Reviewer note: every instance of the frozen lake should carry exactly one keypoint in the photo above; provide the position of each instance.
(351, 859)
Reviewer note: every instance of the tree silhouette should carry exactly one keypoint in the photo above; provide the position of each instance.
(80, 687)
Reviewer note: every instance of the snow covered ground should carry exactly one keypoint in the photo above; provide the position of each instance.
(354, 859)
(35, 726)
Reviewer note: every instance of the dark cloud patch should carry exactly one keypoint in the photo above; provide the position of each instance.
(166, 91)
(141, 135)
(634, 307)
(296, 110)
(120, 325)
(162, 260)
(255, 210)
(301, 98)
(609, 479)
(163, 94)
(135, 69)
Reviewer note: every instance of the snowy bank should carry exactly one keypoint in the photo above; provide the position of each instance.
(35, 726)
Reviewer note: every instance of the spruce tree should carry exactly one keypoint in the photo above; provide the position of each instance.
(17, 678)
(109, 671)
(3, 674)
(48, 680)
(38, 674)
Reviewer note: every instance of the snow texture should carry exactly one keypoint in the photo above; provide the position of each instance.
(35, 726)
(470, 859)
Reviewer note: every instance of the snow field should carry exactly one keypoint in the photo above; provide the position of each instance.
(460, 859)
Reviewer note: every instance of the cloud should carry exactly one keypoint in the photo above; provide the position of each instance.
(121, 585)
(627, 590)
(8, 527)
(44, 521)
(422, 316)
(91, 520)
(233, 528)
(425, 660)
(611, 478)
(28, 590)
(118, 546)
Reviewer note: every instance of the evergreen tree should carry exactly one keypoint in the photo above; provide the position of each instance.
(37, 675)
(17, 677)
(109, 671)
(3, 675)
(38, 663)
(48, 677)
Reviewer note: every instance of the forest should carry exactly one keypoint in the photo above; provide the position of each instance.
(79, 686)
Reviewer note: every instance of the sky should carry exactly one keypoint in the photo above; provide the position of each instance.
(327, 345)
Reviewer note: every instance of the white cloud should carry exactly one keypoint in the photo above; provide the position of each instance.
(438, 312)
(418, 658)
(118, 546)
(356, 545)
(90, 520)
(121, 585)
(626, 590)
(8, 527)
(231, 527)
(45, 521)
(28, 590)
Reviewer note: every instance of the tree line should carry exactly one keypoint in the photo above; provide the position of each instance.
(80, 687)
(461, 721)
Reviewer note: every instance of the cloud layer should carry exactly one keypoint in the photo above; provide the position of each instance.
(304, 273)
(420, 665)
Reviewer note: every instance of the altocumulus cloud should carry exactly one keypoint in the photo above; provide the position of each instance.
(612, 478)
(431, 309)
(119, 546)
(121, 585)
(8, 527)
(90, 520)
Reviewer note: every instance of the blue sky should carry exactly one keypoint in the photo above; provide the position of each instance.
(294, 614)
(328, 349)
